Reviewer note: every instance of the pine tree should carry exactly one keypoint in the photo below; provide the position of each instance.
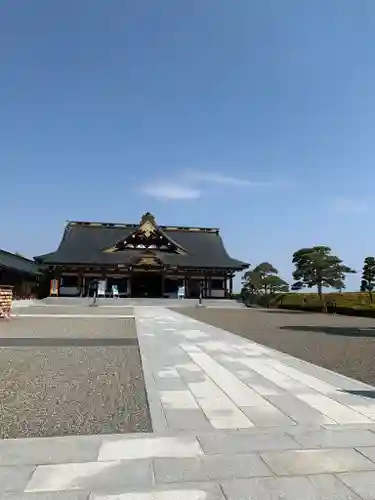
(368, 276)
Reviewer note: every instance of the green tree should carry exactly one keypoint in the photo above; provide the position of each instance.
(263, 279)
(368, 276)
(275, 284)
(264, 271)
(250, 283)
(316, 266)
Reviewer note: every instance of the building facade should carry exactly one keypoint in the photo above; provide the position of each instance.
(141, 260)
(23, 275)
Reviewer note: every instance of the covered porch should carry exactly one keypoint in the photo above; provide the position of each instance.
(140, 283)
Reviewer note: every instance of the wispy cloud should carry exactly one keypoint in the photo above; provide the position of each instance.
(171, 191)
(229, 180)
(216, 178)
(349, 206)
(189, 184)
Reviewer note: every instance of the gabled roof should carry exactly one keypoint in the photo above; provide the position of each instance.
(18, 263)
(100, 243)
(151, 235)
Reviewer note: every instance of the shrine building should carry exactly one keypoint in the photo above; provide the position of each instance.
(21, 274)
(141, 260)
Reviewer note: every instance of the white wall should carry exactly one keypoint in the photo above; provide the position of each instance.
(69, 290)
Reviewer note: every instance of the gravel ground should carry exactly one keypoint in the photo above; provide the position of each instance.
(59, 386)
(340, 343)
(75, 309)
(68, 327)
(61, 391)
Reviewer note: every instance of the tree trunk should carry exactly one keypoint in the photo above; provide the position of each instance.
(370, 296)
(321, 297)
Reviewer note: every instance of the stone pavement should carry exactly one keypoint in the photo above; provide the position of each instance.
(141, 302)
(232, 420)
(23, 303)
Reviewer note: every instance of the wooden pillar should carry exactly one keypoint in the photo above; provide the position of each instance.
(163, 284)
(129, 283)
(225, 286)
(210, 287)
(83, 285)
(231, 286)
(82, 280)
(205, 286)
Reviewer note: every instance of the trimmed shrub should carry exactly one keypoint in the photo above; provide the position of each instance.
(351, 303)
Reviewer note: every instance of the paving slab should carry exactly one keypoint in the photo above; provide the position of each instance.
(177, 491)
(209, 468)
(326, 487)
(191, 419)
(50, 495)
(49, 450)
(323, 461)
(122, 448)
(224, 442)
(14, 479)
(362, 483)
(114, 476)
(336, 439)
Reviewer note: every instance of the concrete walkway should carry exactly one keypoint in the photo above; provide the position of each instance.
(141, 302)
(232, 420)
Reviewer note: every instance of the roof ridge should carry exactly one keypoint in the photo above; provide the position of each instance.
(105, 225)
(21, 257)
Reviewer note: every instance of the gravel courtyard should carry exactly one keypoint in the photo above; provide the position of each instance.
(340, 343)
(62, 376)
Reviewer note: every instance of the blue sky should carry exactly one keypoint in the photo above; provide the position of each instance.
(256, 116)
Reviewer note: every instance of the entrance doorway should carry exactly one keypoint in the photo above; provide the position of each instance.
(194, 287)
(147, 284)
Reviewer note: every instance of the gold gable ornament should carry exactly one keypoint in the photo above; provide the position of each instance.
(148, 236)
(149, 261)
(147, 225)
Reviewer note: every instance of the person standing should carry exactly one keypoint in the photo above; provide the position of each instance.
(334, 306)
(94, 289)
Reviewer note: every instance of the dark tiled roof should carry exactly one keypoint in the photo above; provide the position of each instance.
(20, 264)
(84, 243)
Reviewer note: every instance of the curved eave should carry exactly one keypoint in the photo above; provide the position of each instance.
(23, 272)
(54, 259)
(173, 242)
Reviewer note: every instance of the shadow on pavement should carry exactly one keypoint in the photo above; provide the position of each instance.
(363, 394)
(284, 311)
(66, 342)
(334, 330)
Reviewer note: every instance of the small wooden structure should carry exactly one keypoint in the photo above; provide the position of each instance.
(6, 297)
